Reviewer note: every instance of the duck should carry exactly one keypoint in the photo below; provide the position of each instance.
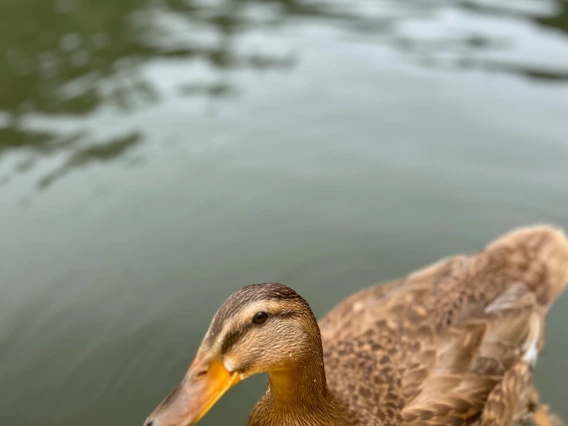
(454, 343)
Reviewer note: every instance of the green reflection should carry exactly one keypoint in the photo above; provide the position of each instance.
(97, 153)
(67, 58)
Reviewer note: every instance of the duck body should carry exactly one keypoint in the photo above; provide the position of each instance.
(454, 343)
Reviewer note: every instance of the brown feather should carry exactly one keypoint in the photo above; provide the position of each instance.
(457, 331)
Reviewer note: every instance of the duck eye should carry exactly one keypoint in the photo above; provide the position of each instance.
(259, 317)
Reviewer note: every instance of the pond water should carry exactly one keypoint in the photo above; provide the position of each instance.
(157, 155)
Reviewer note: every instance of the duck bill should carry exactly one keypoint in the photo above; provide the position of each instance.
(205, 382)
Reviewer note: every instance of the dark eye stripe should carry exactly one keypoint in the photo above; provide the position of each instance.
(234, 336)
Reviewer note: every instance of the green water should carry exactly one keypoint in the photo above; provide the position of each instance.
(157, 155)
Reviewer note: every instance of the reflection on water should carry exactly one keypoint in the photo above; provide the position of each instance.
(102, 152)
(69, 58)
(155, 155)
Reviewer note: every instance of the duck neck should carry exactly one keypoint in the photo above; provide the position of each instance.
(299, 388)
(303, 383)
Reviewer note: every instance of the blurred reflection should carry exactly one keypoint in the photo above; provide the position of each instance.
(67, 58)
(97, 153)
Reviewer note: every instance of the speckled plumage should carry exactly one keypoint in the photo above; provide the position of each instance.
(446, 345)
(454, 343)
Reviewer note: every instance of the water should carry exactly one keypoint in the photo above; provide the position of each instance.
(157, 155)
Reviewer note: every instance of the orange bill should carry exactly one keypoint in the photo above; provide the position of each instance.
(205, 382)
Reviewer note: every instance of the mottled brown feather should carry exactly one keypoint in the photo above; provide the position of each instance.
(452, 334)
